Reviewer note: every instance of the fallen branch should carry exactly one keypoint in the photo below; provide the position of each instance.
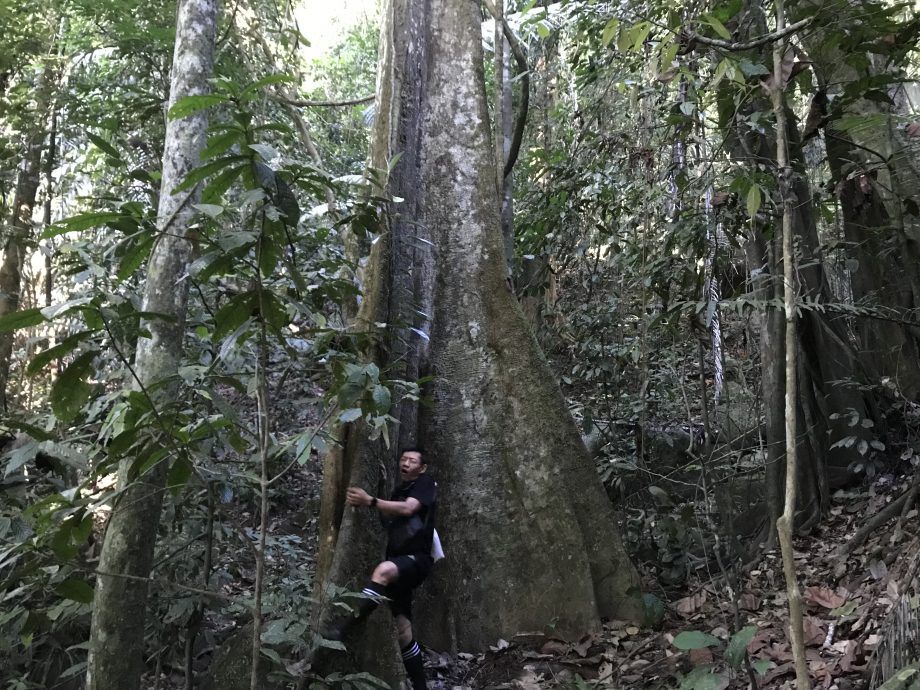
(890, 511)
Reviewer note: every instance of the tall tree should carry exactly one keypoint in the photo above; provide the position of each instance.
(117, 638)
(531, 537)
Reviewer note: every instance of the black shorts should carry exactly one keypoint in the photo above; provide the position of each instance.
(412, 572)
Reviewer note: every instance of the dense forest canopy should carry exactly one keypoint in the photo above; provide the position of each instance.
(641, 278)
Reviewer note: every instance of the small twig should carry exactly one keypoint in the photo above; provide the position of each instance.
(880, 518)
(168, 583)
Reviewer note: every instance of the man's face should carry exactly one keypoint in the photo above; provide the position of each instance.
(410, 465)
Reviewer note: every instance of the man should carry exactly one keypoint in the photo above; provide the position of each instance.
(410, 516)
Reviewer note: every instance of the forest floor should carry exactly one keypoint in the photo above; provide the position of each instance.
(848, 603)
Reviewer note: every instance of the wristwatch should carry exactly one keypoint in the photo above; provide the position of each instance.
(374, 502)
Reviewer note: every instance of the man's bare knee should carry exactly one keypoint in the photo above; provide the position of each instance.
(385, 573)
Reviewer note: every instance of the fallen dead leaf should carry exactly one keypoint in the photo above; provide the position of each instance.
(701, 656)
(814, 633)
(913, 129)
(691, 604)
(581, 649)
(749, 602)
(554, 647)
(824, 596)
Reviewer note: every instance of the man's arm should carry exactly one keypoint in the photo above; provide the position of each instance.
(356, 496)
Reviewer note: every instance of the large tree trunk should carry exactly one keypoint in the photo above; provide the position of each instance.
(877, 180)
(117, 636)
(532, 541)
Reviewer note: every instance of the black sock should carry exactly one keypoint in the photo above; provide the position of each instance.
(372, 596)
(415, 665)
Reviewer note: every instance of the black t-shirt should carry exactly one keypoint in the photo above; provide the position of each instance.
(413, 534)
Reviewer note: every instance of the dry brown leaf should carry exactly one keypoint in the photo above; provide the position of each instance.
(824, 596)
(814, 633)
(701, 656)
(749, 602)
(554, 647)
(581, 649)
(691, 604)
(913, 129)
(777, 672)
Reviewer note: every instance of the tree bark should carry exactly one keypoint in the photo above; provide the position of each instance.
(15, 249)
(117, 635)
(532, 541)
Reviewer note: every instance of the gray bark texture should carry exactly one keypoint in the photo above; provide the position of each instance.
(15, 250)
(117, 635)
(532, 541)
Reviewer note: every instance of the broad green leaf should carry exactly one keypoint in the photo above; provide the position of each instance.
(350, 415)
(734, 652)
(704, 678)
(210, 210)
(382, 399)
(192, 104)
(83, 221)
(638, 34)
(105, 146)
(721, 71)
(753, 200)
(270, 80)
(179, 474)
(761, 666)
(206, 170)
(70, 391)
(220, 184)
(220, 143)
(65, 346)
(136, 254)
(233, 314)
(695, 639)
(611, 30)
(75, 590)
(24, 318)
(717, 26)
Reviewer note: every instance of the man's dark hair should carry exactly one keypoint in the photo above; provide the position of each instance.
(414, 449)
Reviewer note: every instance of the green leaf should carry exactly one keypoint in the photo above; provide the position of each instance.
(233, 314)
(721, 71)
(761, 666)
(137, 253)
(105, 146)
(210, 210)
(753, 200)
(695, 639)
(717, 26)
(70, 391)
(610, 32)
(727, 10)
(382, 399)
(179, 474)
(844, 610)
(24, 318)
(703, 678)
(638, 34)
(220, 184)
(206, 170)
(350, 415)
(220, 143)
(56, 352)
(192, 104)
(83, 221)
(270, 80)
(75, 590)
(734, 652)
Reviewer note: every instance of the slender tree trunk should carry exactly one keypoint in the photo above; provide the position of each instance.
(119, 610)
(531, 539)
(16, 248)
